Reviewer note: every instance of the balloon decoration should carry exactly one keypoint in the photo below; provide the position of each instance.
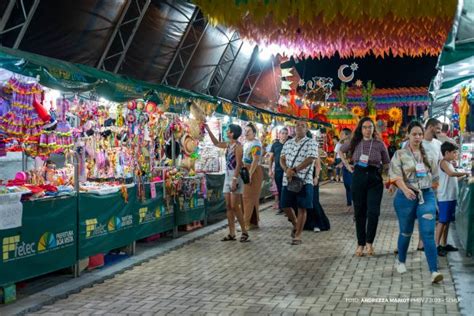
(308, 28)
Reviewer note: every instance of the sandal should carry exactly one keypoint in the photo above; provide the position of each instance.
(244, 237)
(228, 238)
(359, 252)
(296, 242)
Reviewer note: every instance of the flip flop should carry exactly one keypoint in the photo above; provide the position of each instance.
(296, 242)
(229, 238)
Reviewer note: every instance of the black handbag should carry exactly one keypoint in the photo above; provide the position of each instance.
(245, 175)
(296, 184)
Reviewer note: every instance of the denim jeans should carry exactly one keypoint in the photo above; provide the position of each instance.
(407, 211)
(347, 178)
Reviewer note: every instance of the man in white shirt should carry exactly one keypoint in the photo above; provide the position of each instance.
(430, 141)
(297, 160)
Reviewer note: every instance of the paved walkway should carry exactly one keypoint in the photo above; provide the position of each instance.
(269, 276)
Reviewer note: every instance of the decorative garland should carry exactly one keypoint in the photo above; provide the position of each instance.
(315, 28)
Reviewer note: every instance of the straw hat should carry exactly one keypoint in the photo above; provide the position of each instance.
(189, 144)
(197, 112)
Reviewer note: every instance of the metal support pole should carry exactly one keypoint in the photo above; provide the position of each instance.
(6, 15)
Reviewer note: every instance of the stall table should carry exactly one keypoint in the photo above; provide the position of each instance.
(46, 241)
(465, 215)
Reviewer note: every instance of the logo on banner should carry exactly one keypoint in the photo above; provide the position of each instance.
(50, 241)
(93, 228)
(146, 216)
(116, 223)
(14, 248)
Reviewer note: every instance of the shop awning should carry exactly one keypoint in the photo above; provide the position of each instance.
(456, 62)
(64, 76)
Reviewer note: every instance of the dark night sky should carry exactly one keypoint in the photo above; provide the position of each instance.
(387, 72)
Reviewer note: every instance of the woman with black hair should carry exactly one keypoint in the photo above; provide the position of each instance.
(369, 155)
(415, 172)
(233, 184)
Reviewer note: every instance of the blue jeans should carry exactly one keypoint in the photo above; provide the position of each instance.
(279, 183)
(407, 211)
(347, 178)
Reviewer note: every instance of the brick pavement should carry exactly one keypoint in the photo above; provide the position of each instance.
(269, 276)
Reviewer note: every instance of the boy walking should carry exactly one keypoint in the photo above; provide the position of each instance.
(447, 195)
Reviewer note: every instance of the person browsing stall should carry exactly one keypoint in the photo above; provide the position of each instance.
(297, 161)
(447, 194)
(233, 184)
(369, 156)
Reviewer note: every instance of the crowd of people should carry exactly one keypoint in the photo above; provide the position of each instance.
(420, 174)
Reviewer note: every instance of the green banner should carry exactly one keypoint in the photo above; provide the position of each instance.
(106, 222)
(465, 216)
(151, 215)
(215, 202)
(45, 242)
(189, 210)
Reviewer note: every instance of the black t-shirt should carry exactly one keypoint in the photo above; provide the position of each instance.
(276, 150)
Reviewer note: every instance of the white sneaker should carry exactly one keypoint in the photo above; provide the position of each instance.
(316, 230)
(401, 268)
(436, 277)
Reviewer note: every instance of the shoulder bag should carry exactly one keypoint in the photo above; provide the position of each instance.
(296, 184)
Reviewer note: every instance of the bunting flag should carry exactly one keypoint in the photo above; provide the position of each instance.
(285, 85)
(308, 28)
(286, 72)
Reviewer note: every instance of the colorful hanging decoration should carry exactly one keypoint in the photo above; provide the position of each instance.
(342, 76)
(396, 116)
(463, 109)
(387, 98)
(306, 28)
(358, 111)
(367, 92)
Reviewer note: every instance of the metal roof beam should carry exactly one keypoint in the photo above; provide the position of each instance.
(251, 79)
(122, 35)
(26, 15)
(186, 49)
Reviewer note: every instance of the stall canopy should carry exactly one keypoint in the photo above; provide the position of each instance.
(456, 62)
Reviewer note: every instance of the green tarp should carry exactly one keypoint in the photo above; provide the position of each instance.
(46, 241)
(64, 76)
(106, 222)
(151, 216)
(465, 216)
(189, 210)
(215, 201)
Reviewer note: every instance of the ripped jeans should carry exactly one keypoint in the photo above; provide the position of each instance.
(407, 212)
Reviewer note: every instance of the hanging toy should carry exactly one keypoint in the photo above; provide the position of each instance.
(131, 118)
(140, 105)
(119, 121)
(131, 105)
(123, 190)
(150, 107)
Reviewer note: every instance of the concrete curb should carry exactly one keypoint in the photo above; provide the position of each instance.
(48, 296)
(462, 270)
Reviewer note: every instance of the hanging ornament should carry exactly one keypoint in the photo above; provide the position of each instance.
(342, 76)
